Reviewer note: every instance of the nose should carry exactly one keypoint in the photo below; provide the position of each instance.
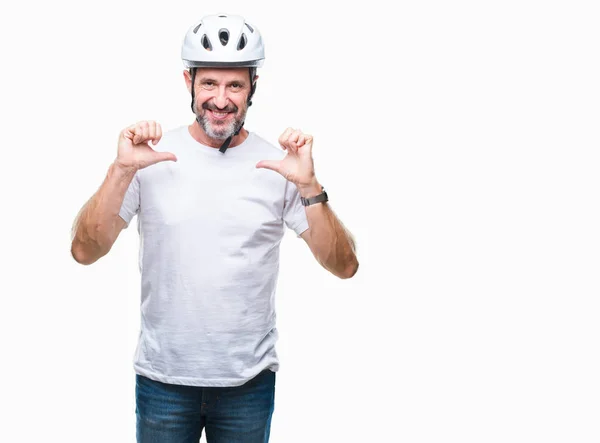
(221, 98)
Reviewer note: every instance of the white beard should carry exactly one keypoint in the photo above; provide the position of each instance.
(218, 132)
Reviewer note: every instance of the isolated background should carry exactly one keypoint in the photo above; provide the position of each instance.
(458, 142)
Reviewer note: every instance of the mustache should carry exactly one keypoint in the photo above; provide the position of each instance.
(212, 107)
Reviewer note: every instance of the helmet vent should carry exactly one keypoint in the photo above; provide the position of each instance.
(249, 27)
(222, 16)
(196, 28)
(206, 43)
(224, 36)
(242, 43)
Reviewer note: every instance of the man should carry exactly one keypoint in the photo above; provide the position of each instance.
(211, 209)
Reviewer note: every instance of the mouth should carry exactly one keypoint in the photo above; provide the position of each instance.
(217, 115)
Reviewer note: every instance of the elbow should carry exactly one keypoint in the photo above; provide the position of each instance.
(80, 256)
(350, 270)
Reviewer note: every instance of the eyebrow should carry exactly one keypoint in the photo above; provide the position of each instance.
(208, 79)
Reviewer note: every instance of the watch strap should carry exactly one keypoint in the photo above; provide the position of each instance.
(322, 197)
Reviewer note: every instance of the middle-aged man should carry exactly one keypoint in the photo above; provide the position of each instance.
(212, 205)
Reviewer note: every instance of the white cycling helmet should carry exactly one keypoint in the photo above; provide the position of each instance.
(223, 40)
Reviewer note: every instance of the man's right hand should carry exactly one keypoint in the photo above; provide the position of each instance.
(134, 152)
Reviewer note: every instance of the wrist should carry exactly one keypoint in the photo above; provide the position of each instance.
(120, 168)
(123, 171)
(311, 189)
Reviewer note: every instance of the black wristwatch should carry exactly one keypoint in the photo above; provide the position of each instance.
(322, 197)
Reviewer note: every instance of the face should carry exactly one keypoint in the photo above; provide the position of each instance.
(220, 101)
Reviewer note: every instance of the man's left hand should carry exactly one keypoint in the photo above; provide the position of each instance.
(297, 166)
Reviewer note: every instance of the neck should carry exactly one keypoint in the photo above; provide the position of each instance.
(200, 136)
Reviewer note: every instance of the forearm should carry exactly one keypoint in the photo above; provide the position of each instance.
(331, 243)
(96, 226)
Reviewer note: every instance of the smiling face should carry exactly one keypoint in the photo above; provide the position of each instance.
(220, 102)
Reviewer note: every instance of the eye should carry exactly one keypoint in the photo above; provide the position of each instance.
(208, 84)
(236, 85)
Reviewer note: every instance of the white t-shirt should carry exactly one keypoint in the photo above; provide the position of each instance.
(210, 227)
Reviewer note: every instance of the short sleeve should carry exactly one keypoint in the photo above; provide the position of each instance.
(294, 214)
(131, 202)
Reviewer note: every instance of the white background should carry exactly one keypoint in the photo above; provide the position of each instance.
(458, 142)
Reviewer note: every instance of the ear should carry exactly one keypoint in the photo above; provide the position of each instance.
(188, 80)
(255, 78)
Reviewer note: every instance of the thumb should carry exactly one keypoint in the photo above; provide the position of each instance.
(270, 164)
(165, 156)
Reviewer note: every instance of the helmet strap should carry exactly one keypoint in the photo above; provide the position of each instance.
(227, 142)
(252, 85)
(193, 72)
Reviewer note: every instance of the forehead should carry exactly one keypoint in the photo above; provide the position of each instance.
(223, 74)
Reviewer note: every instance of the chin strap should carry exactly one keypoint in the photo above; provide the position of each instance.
(227, 141)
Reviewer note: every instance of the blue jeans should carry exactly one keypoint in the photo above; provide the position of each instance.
(169, 413)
